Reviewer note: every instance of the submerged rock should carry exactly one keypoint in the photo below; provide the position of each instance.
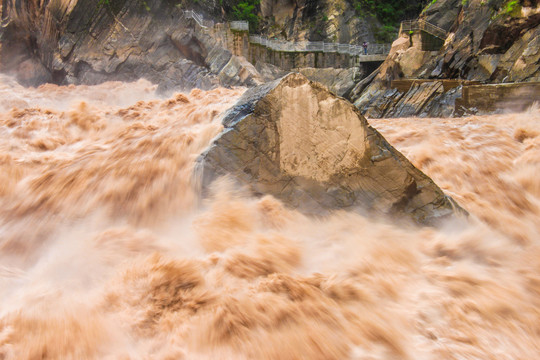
(294, 139)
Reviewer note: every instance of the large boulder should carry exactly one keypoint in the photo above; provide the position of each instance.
(339, 81)
(294, 139)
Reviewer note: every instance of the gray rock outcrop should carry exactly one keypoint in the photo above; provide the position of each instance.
(294, 139)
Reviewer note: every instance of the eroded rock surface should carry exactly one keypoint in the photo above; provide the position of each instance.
(485, 43)
(89, 42)
(294, 139)
(338, 81)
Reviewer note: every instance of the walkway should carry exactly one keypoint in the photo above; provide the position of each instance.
(321, 46)
(375, 52)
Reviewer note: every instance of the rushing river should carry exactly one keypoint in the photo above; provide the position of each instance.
(106, 252)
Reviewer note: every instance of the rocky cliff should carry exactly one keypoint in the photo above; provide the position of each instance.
(343, 21)
(486, 42)
(294, 139)
(88, 42)
(331, 21)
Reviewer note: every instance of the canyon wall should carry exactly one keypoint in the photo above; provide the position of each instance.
(487, 42)
(84, 42)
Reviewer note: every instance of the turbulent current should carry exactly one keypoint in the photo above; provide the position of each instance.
(106, 251)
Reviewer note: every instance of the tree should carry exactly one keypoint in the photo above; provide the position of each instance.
(246, 10)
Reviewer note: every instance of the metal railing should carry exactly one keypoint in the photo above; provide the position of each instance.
(319, 46)
(198, 19)
(287, 46)
(415, 25)
(239, 25)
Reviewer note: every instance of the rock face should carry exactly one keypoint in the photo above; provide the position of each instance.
(316, 20)
(343, 21)
(338, 81)
(88, 42)
(486, 43)
(294, 139)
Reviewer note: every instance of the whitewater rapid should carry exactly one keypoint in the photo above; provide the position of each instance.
(107, 252)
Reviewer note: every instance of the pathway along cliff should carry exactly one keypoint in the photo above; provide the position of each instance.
(105, 253)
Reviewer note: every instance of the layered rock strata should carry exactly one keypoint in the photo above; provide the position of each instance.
(486, 43)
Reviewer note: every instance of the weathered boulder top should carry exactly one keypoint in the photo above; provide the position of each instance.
(295, 140)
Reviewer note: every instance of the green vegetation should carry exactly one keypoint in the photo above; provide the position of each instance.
(386, 34)
(429, 5)
(246, 10)
(512, 8)
(505, 8)
(389, 13)
(145, 5)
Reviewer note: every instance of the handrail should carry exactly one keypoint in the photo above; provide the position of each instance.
(420, 24)
(304, 46)
(319, 46)
(198, 19)
(239, 25)
(432, 29)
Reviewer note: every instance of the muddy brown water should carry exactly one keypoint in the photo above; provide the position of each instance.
(105, 252)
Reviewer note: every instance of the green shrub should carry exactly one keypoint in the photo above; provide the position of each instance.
(429, 5)
(246, 10)
(505, 8)
(386, 34)
(389, 12)
(512, 8)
